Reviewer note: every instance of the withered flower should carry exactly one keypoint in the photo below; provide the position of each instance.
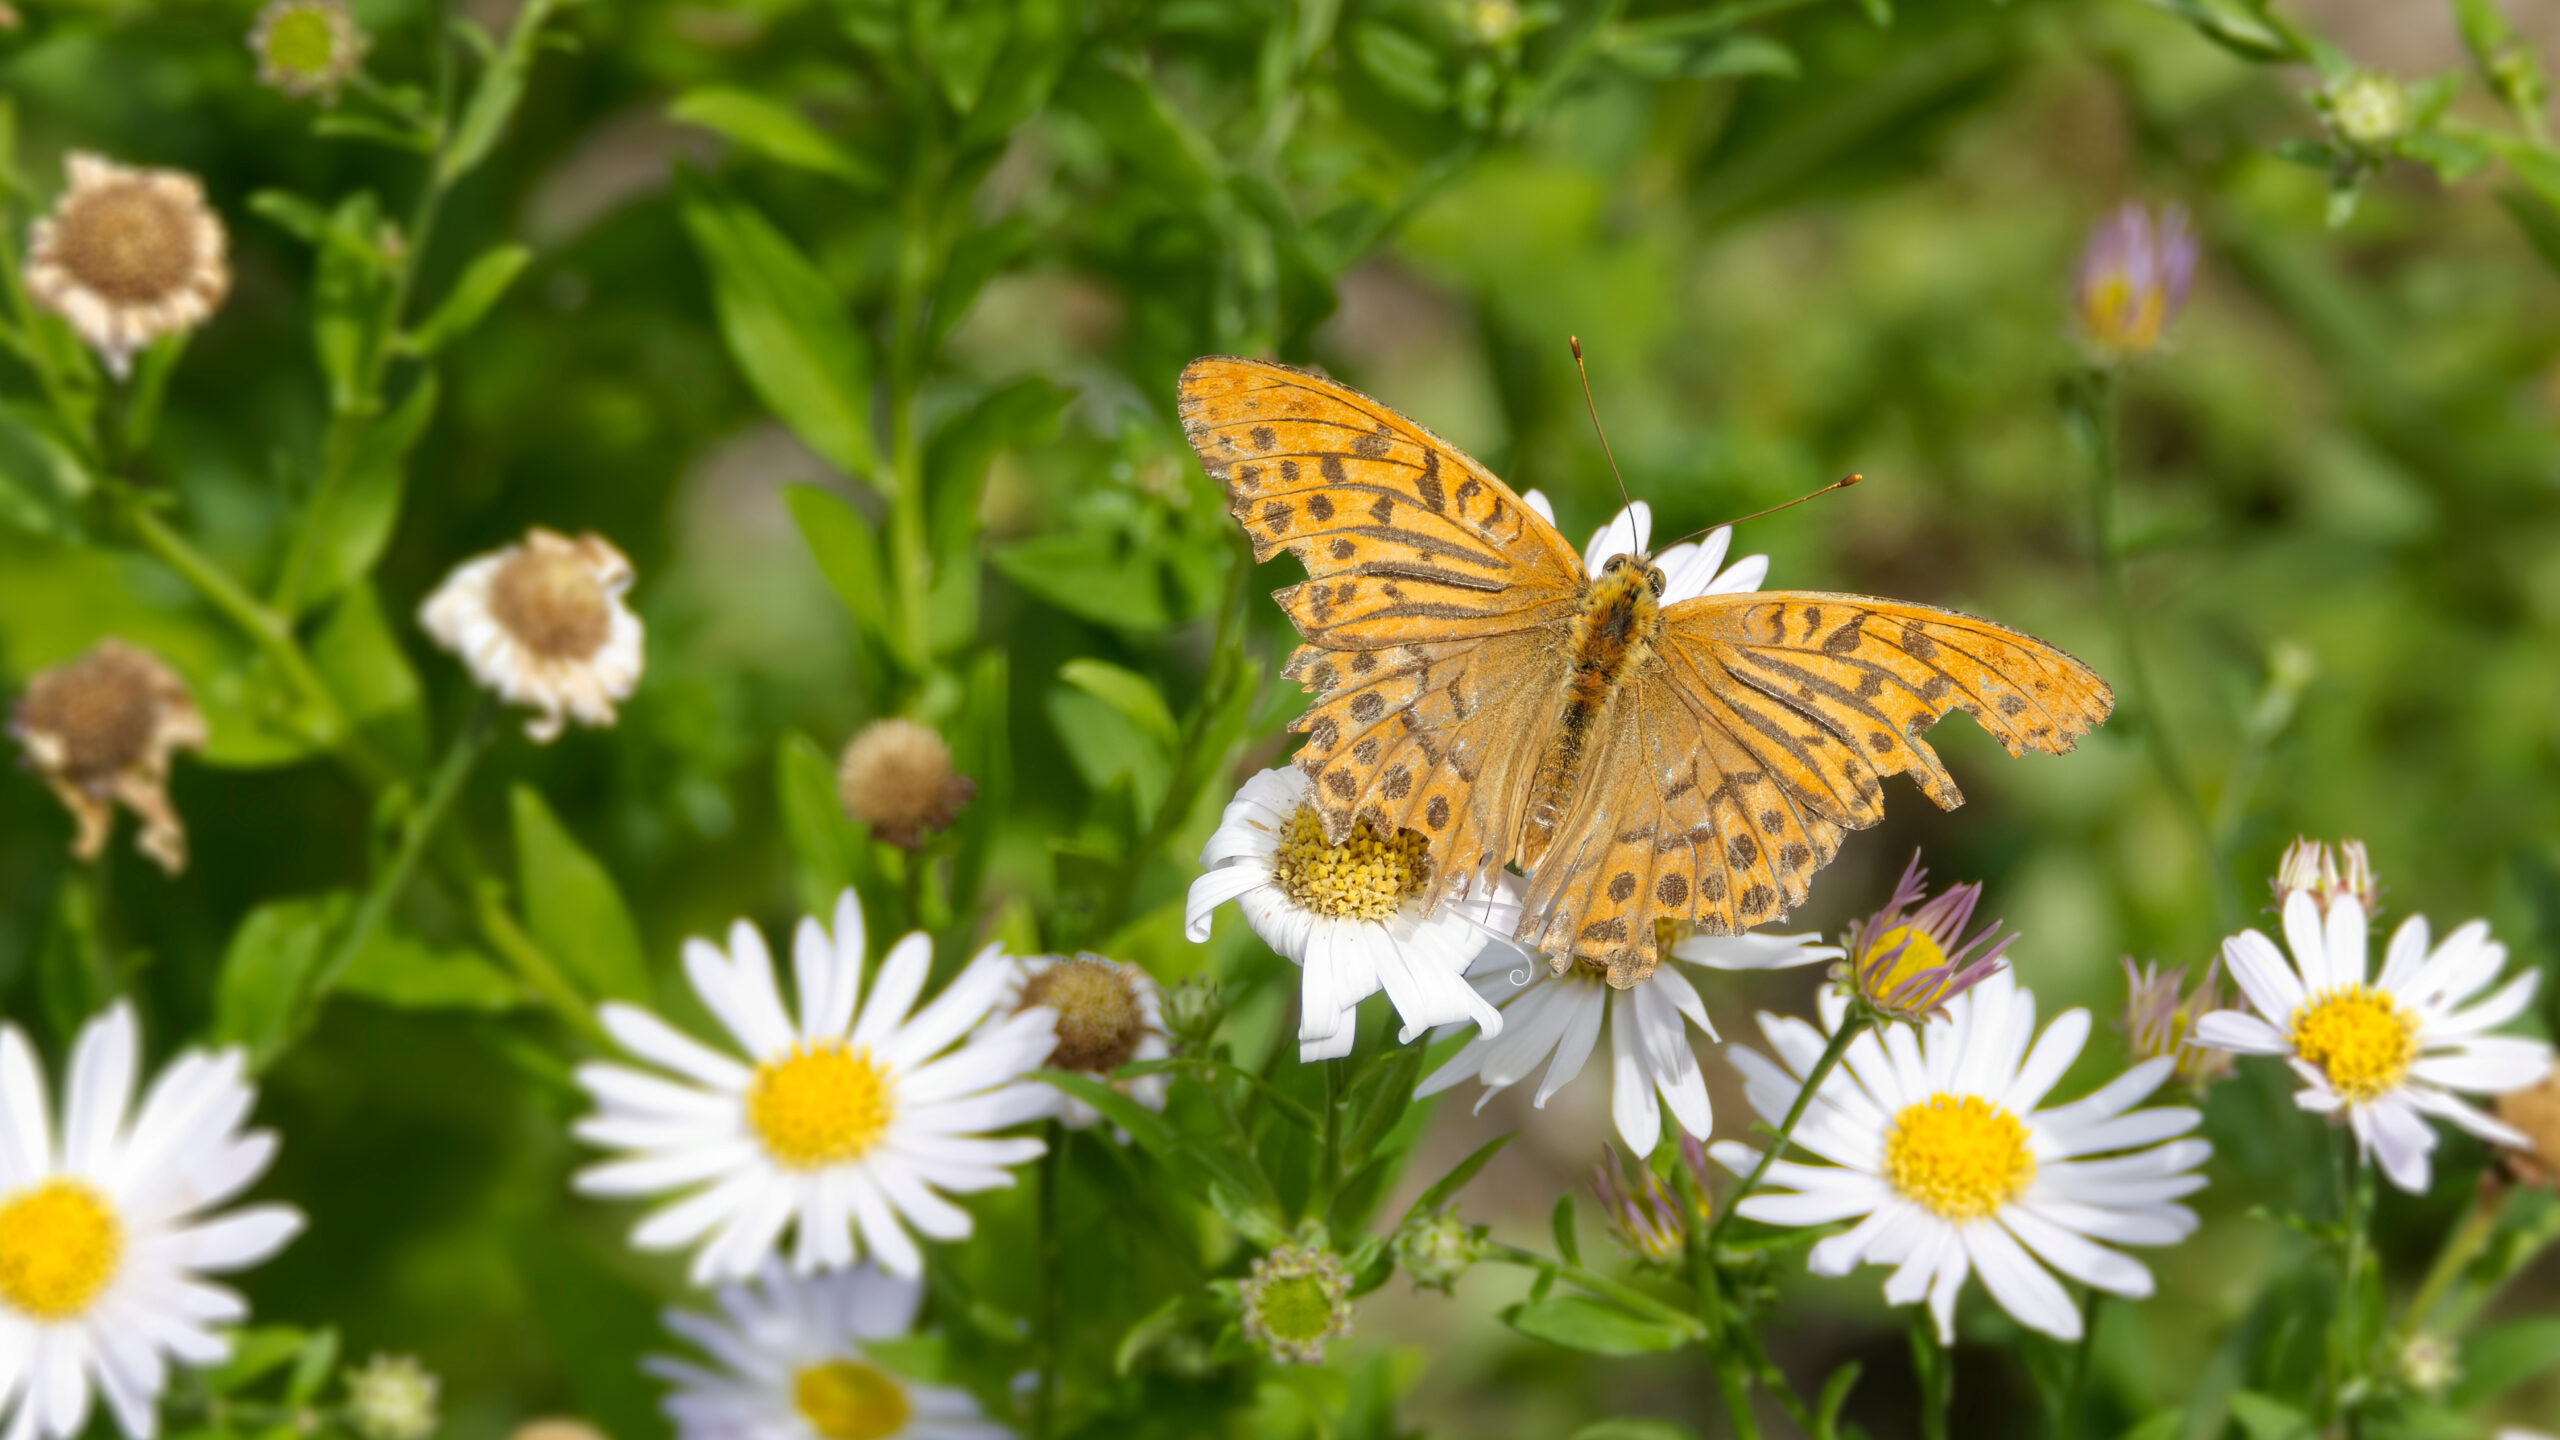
(101, 729)
(128, 255)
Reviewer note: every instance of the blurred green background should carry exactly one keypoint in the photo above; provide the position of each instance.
(1842, 246)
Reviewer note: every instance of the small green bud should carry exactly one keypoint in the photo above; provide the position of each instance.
(2368, 109)
(1436, 1249)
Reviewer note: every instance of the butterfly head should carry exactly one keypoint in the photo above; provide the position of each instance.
(1642, 567)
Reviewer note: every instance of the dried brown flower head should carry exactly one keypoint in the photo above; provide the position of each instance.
(2535, 1110)
(896, 777)
(542, 624)
(128, 255)
(101, 729)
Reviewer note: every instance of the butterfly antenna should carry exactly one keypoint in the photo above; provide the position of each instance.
(1843, 483)
(1576, 342)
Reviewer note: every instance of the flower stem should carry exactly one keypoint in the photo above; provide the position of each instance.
(1852, 1026)
(1502, 1252)
(1044, 1398)
(469, 743)
(2347, 1350)
(2478, 1223)
(2103, 412)
(2066, 1425)
(1937, 1373)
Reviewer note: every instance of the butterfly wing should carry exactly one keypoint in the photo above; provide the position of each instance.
(1758, 731)
(1432, 605)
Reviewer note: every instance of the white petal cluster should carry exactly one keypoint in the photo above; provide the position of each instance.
(2444, 1034)
(113, 1226)
(903, 1100)
(2087, 1174)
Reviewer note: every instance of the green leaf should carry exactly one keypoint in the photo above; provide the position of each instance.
(975, 259)
(1834, 1397)
(775, 131)
(346, 125)
(2498, 1358)
(1148, 134)
(1460, 1173)
(41, 480)
(1628, 1427)
(1579, 1323)
(344, 532)
(406, 973)
(847, 554)
(313, 1366)
(785, 327)
(962, 45)
(1403, 66)
(2263, 1417)
(470, 299)
(1131, 694)
(1745, 55)
(257, 998)
(1108, 748)
(346, 291)
(494, 100)
(256, 1352)
(573, 907)
(1561, 1221)
(829, 849)
(357, 653)
(2167, 1424)
(302, 219)
(1015, 417)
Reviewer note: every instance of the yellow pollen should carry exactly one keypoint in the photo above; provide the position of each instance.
(1366, 877)
(59, 1246)
(848, 1400)
(824, 1105)
(1960, 1156)
(1919, 956)
(2361, 1039)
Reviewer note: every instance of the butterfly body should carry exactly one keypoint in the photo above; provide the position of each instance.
(1643, 754)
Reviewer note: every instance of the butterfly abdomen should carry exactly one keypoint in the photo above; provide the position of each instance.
(1612, 635)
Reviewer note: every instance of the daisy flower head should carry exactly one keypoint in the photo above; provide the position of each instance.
(107, 1226)
(1652, 1061)
(1296, 1298)
(1349, 916)
(103, 729)
(543, 624)
(1108, 1016)
(1939, 1144)
(1689, 570)
(2134, 277)
(128, 255)
(785, 1360)
(2383, 1053)
(1906, 963)
(307, 47)
(850, 1122)
(2327, 874)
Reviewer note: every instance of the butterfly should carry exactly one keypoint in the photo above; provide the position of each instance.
(1638, 762)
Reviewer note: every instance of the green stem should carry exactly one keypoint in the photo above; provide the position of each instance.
(1044, 1399)
(2347, 1351)
(2479, 1222)
(1735, 1386)
(533, 964)
(2067, 1423)
(2104, 415)
(1501, 1252)
(1852, 1026)
(1936, 1369)
(1333, 1097)
(469, 743)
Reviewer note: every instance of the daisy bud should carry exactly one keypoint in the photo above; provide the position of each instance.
(2160, 1016)
(1492, 23)
(101, 729)
(307, 47)
(1645, 1211)
(1297, 1298)
(2535, 1112)
(1907, 966)
(543, 624)
(2312, 866)
(896, 777)
(392, 1398)
(2428, 1364)
(128, 255)
(1193, 1011)
(1436, 1249)
(2368, 109)
(2133, 281)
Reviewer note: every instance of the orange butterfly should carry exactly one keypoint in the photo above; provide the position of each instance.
(1637, 761)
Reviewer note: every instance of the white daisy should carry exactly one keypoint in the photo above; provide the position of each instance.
(128, 255)
(105, 1235)
(543, 624)
(2386, 1055)
(786, 1362)
(1651, 1055)
(1688, 570)
(1108, 1016)
(843, 1124)
(1349, 915)
(1942, 1149)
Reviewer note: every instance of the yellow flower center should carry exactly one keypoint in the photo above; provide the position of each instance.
(848, 1400)
(59, 1246)
(824, 1105)
(1366, 877)
(1920, 954)
(1099, 1022)
(128, 240)
(2361, 1039)
(302, 42)
(2123, 315)
(1961, 1156)
(548, 597)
